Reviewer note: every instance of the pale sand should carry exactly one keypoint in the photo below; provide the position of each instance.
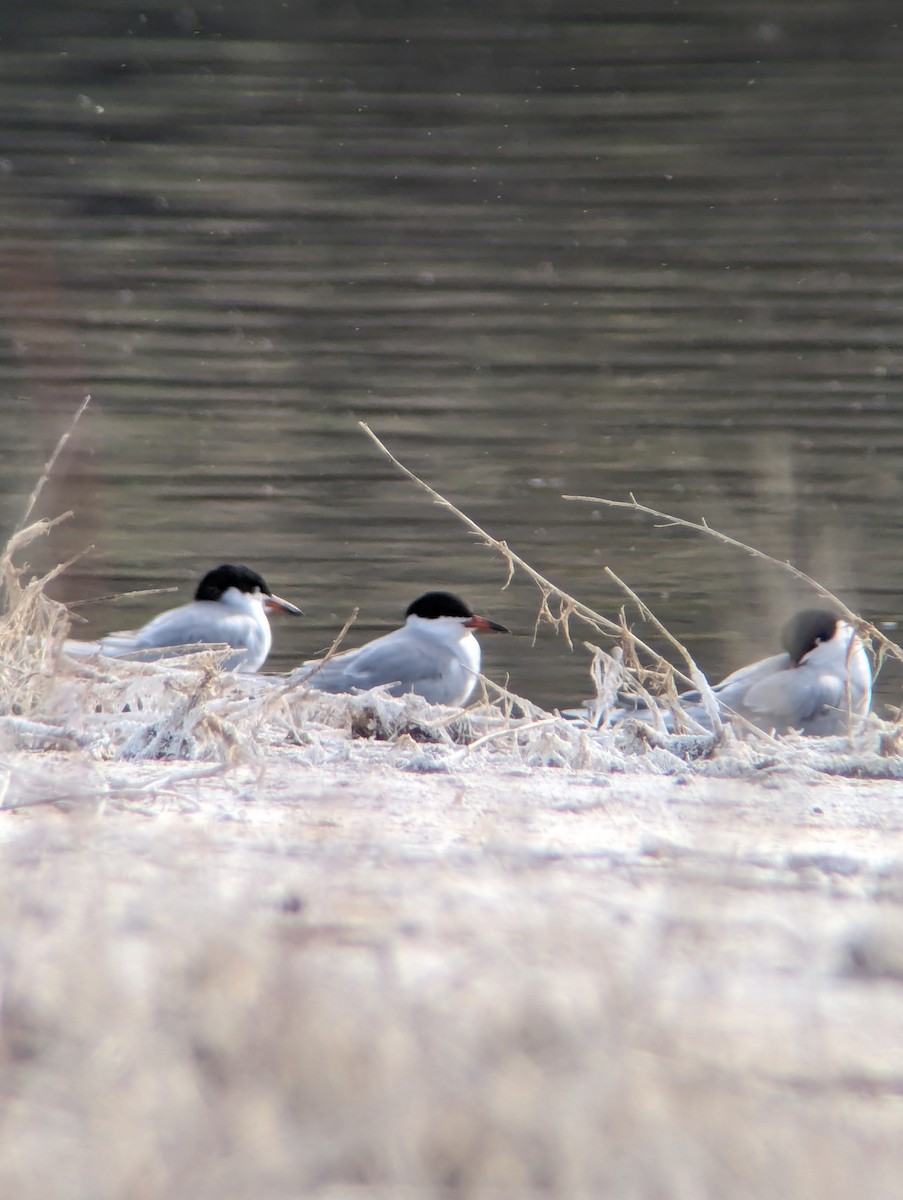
(343, 967)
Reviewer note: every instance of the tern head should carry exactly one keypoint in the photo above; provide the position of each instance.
(434, 606)
(248, 582)
(810, 628)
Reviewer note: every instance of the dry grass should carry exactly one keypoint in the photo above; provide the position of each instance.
(568, 607)
(639, 666)
(32, 628)
(260, 943)
(869, 632)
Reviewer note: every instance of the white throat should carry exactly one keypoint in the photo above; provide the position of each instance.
(250, 605)
(452, 634)
(447, 631)
(245, 602)
(832, 655)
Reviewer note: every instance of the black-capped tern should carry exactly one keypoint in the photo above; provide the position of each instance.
(229, 608)
(819, 683)
(434, 654)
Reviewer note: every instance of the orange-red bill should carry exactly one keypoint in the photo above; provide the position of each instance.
(277, 604)
(487, 626)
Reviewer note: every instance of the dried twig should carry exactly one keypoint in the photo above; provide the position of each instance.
(114, 596)
(508, 730)
(568, 605)
(51, 463)
(710, 704)
(865, 628)
(297, 681)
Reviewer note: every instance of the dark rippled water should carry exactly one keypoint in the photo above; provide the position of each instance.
(541, 250)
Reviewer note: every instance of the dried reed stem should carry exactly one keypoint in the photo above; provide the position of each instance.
(568, 605)
(699, 680)
(114, 596)
(51, 462)
(865, 628)
(261, 707)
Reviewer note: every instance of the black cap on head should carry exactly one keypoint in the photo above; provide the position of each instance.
(808, 629)
(228, 575)
(438, 604)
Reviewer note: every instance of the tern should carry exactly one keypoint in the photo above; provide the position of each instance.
(229, 608)
(820, 682)
(434, 654)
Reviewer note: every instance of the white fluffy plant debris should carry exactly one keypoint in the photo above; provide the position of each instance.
(118, 709)
(32, 629)
(418, 736)
(190, 709)
(189, 726)
(378, 716)
(163, 711)
(187, 709)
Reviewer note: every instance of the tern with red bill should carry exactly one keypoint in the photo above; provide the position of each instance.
(434, 654)
(229, 608)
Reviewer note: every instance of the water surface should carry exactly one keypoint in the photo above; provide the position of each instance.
(574, 249)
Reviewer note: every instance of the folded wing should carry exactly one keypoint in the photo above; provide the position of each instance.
(401, 663)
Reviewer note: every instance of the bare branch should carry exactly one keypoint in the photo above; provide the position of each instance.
(865, 628)
(51, 462)
(114, 596)
(569, 605)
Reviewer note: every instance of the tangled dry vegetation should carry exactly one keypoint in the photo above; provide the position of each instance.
(353, 950)
(189, 710)
(259, 943)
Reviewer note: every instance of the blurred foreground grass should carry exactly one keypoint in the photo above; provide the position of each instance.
(355, 981)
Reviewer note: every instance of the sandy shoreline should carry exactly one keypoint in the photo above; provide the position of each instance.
(335, 966)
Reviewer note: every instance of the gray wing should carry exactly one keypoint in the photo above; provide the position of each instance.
(384, 661)
(794, 697)
(735, 686)
(772, 694)
(187, 626)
